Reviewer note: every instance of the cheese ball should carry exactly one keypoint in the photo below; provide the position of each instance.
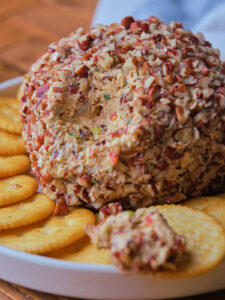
(133, 112)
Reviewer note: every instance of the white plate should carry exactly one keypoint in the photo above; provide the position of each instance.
(95, 281)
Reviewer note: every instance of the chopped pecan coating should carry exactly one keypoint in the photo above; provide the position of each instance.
(131, 112)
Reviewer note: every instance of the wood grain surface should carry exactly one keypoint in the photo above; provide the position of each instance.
(26, 29)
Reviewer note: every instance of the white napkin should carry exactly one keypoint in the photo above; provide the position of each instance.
(206, 16)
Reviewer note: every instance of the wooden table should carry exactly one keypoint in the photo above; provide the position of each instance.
(28, 26)
(26, 29)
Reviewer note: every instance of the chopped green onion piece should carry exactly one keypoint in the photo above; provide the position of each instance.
(129, 121)
(94, 180)
(130, 212)
(152, 164)
(107, 96)
(78, 83)
(125, 83)
(110, 169)
(49, 153)
(76, 136)
(96, 130)
(73, 134)
(96, 69)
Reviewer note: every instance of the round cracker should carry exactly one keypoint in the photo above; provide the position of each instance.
(13, 165)
(16, 189)
(205, 240)
(9, 115)
(11, 144)
(214, 206)
(48, 235)
(82, 251)
(32, 210)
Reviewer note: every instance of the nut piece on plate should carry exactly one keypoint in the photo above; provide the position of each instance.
(139, 241)
(131, 112)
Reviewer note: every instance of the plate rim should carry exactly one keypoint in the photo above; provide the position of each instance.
(59, 263)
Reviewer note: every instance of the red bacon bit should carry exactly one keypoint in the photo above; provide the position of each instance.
(77, 189)
(25, 110)
(148, 220)
(92, 152)
(221, 90)
(83, 72)
(82, 99)
(46, 178)
(126, 22)
(117, 133)
(131, 109)
(114, 157)
(40, 140)
(42, 89)
(126, 130)
(113, 116)
(57, 89)
(72, 89)
(23, 99)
